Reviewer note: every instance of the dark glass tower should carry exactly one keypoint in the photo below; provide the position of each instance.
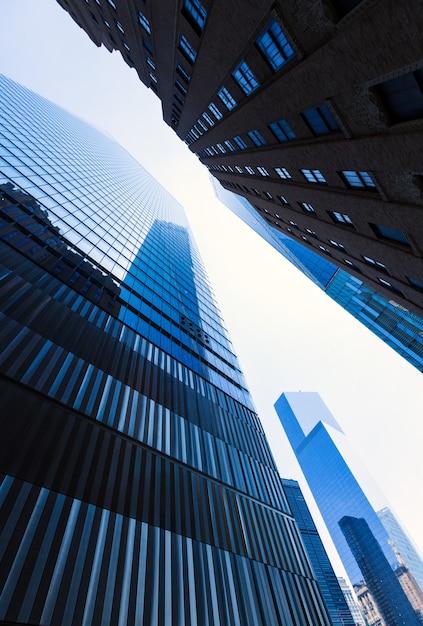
(378, 574)
(137, 484)
(315, 435)
(333, 596)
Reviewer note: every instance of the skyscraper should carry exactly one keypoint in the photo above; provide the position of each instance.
(137, 483)
(403, 544)
(333, 596)
(381, 580)
(396, 326)
(352, 602)
(265, 94)
(314, 434)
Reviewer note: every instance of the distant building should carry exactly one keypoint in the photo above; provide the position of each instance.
(314, 435)
(351, 600)
(399, 328)
(369, 606)
(411, 589)
(265, 93)
(381, 580)
(402, 544)
(332, 594)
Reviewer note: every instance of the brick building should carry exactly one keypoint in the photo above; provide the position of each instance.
(311, 110)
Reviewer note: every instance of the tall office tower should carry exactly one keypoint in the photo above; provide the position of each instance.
(332, 594)
(397, 327)
(265, 93)
(137, 484)
(381, 580)
(403, 544)
(315, 437)
(352, 602)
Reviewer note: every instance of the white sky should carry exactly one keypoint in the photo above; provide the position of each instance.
(288, 334)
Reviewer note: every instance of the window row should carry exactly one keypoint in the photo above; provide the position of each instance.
(341, 248)
(352, 179)
(383, 232)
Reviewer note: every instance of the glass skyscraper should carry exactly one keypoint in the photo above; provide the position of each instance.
(399, 328)
(314, 435)
(137, 486)
(333, 596)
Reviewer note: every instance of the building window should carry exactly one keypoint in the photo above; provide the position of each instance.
(418, 284)
(229, 145)
(195, 13)
(377, 264)
(274, 46)
(151, 63)
(144, 22)
(181, 88)
(325, 250)
(282, 131)
(313, 176)
(240, 143)
(262, 170)
(312, 233)
(147, 45)
(201, 123)
(402, 97)
(226, 98)
(358, 180)
(336, 244)
(389, 285)
(120, 27)
(391, 234)
(282, 172)
(283, 200)
(256, 191)
(320, 120)
(222, 150)
(208, 119)
(345, 6)
(153, 77)
(179, 99)
(186, 49)
(182, 73)
(239, 169)
(256, 138)
(341, 218)
(249, 170)
(245, 78)
(268, 195)
(353, 265)
(308, 208)
(213, 108)
(112, 4)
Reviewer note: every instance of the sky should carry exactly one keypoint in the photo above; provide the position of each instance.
(288, 335)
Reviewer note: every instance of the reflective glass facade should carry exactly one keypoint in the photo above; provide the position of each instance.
(398, 327)
(311, 430)
(331, 591)
(381, 580)
(137, 483)
(403, 544)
